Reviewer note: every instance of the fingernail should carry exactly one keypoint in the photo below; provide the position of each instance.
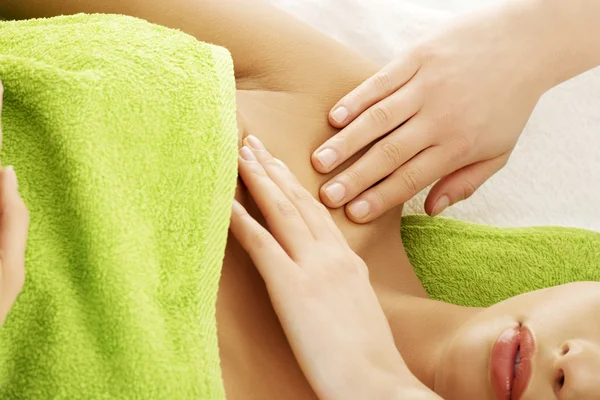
(335, 192)
(247, 154)
(255, 143)
(11, 175)
(440, 205)
(360, 209)
(340, 114)
(327, 157)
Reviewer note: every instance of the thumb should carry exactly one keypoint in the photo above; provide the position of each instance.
(461, 184)
(14, 224)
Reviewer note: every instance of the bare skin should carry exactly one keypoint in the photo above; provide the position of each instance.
(288, 78)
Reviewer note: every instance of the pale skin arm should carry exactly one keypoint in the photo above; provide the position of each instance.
(454, 105)
(271, 50)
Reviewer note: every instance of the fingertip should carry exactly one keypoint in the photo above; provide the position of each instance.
(333, 194)
(325, 199)
(339, 115)
(356, 215)
(324, 159)
(314, 160)
(441, 204)
(360, 212)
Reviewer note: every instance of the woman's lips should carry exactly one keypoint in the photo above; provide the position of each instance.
(508, 385)
(523, 375)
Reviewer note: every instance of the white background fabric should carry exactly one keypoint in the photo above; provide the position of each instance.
(553, 177)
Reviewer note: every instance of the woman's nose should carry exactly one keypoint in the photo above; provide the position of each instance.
(578, 371)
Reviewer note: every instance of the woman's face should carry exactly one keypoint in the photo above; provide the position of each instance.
(557, 331)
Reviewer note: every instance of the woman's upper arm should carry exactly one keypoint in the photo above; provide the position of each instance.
(271, 49)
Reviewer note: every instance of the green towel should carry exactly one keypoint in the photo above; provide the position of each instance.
(476, 265)
(123, 136)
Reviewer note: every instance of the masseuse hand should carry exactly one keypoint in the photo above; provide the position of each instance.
(319, 287)
(14, 223)
(451, 107)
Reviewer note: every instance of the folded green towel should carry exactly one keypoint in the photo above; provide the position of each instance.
(123, 136)
(476, 265)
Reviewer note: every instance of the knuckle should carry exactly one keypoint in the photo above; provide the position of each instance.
(380, 199)
(354, 177)
(286, 208)
(300, 194)
(356, 97)
(468, 189)
(261, 239)
(342, 143)
(380, 115)
(391, 154)
(410, 179)
(271, 162)
(322, 209)
(381, 81)
(422, 52)
(257, 170)
(242, 214)
(461, 148)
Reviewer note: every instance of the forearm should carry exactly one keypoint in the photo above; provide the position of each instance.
(565, 33)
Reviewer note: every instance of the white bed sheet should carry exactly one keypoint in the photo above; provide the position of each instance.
(553, 177)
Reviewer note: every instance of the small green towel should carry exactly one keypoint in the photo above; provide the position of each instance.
(124, 139)
(476, 265)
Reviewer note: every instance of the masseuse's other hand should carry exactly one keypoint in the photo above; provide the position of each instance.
(318, 286)
(451, 107)
(14, 223)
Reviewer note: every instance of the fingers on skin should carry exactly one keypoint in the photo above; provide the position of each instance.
(264, 250)
(406, 182)
(461, 184)
(14, 224)
(302, 200)
(315, 215)
(380, 161)
(283, 218)
(375, 122)
(385, 82)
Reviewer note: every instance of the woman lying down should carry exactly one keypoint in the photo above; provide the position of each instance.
(342, 314)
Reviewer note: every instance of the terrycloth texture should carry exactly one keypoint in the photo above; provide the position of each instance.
(477, 265)
(123, 136)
